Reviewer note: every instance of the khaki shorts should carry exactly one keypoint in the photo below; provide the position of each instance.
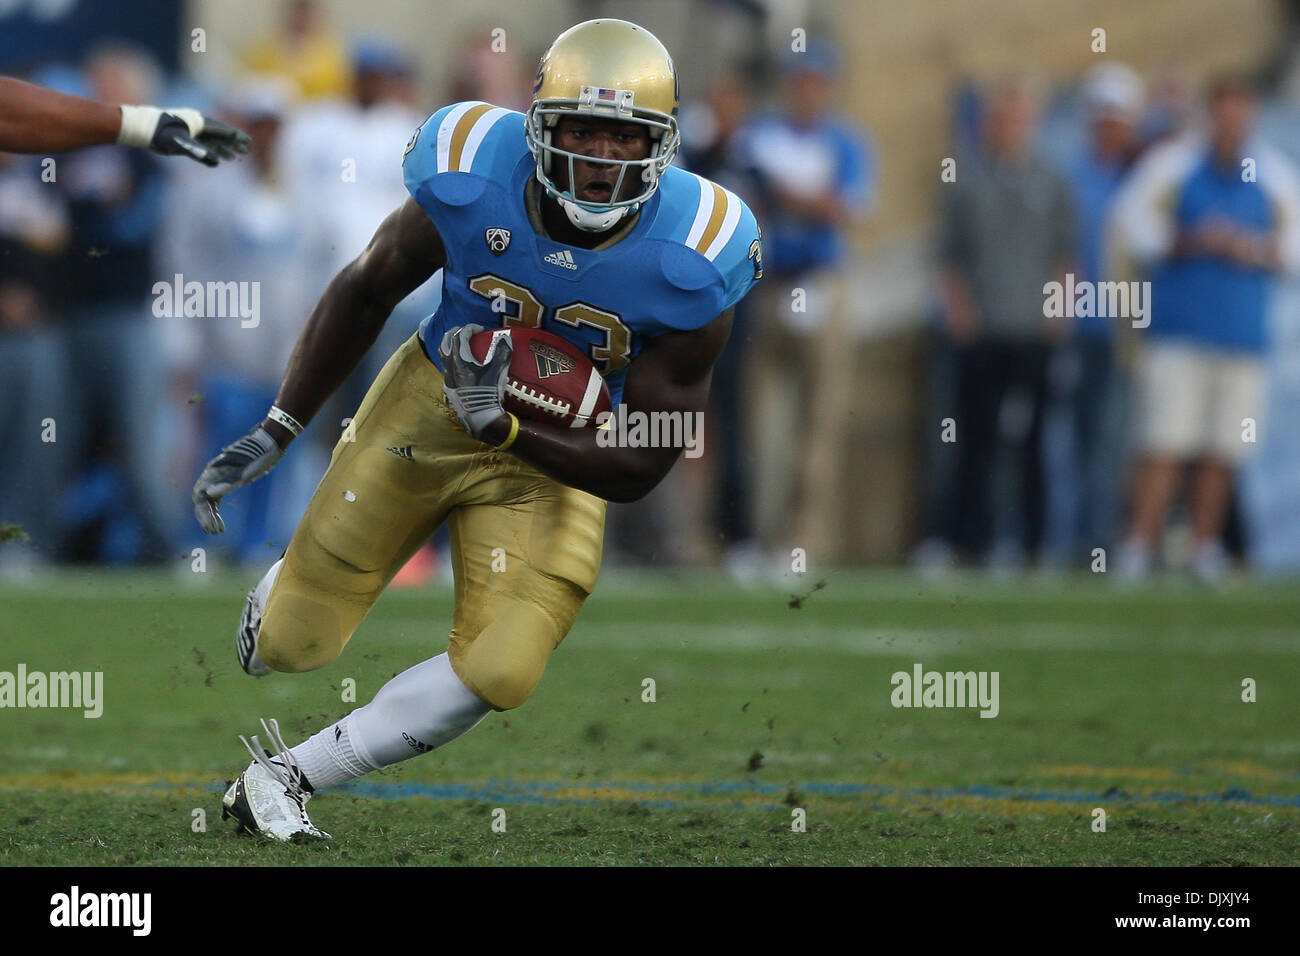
(1197, 402)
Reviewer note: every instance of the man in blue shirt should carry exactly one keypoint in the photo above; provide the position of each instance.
(1214, 219)
(815, 180)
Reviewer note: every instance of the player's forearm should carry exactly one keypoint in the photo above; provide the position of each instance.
(341, 329)
(36, 120)
(573, 457)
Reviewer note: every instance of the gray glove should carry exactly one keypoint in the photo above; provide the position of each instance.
(238, 464)
(475, 389)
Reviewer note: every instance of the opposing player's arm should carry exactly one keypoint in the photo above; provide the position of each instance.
(36, 120)
(404, 253)
(671, 374)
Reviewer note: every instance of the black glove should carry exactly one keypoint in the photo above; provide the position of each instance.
(181, 132)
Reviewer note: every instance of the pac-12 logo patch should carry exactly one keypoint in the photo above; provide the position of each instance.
(410, 144)
(498, 240)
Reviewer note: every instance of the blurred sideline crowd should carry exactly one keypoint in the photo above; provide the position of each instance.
(1047, 437)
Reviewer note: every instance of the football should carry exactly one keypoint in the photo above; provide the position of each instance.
(550, 380)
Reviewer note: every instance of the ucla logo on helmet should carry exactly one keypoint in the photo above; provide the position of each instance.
(498, 239)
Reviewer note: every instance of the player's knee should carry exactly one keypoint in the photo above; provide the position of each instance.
(302, 638)
(504, 670)
(506, 689)
(294, 657)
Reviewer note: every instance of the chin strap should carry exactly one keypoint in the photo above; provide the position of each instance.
(591, 221)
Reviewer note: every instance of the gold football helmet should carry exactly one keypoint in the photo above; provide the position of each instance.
(605, 69)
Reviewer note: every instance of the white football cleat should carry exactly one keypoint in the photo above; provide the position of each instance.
(268, 799)
(250, 622)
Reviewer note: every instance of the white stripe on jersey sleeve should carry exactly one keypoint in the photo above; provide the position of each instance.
(702, 213)
(477, 134)
(729, 222)
(447, 127)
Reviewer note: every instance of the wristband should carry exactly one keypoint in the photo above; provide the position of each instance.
(138, 125)
(514, 433)
(281, 417)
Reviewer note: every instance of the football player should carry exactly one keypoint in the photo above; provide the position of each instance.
(570, 218)
(36, 120)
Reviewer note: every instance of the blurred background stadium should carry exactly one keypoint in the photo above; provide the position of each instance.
(834, 119)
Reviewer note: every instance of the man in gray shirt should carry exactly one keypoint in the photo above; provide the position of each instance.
(1006, 230)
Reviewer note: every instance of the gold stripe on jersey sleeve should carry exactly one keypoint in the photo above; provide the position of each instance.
(461, 133)
(715, 218)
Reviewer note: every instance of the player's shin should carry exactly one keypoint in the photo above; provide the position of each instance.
(417, 711)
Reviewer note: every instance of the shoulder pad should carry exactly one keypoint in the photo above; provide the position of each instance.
(464, 137)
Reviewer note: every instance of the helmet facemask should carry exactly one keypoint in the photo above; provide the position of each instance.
(600, 104)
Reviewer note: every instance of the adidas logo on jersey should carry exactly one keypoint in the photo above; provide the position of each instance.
(563, 258)
(404, 452)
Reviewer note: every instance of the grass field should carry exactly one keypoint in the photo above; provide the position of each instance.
(1128, 701)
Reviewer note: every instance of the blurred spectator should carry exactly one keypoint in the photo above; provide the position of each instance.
(1171, 108)
(34, 229)
(239, 225)
(1214, 221)
(115, 196)
(306, 51)
(815, 176)
(1006, 229)
(710, 134)
(1089, 380)
(495, 76)
(343, 162)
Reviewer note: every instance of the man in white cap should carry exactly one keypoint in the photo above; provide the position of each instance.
(1092, 386)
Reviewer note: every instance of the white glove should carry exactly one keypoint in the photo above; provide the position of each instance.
(475, 389)
(238, 464)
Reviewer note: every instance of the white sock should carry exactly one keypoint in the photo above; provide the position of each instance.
(417, 711)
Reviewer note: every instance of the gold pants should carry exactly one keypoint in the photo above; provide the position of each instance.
(525, 549)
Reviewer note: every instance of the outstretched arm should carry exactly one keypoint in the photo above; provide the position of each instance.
(404, 252)
(671, 374)
(36, 120)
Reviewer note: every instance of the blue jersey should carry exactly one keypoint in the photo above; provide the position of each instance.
(693, 252)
